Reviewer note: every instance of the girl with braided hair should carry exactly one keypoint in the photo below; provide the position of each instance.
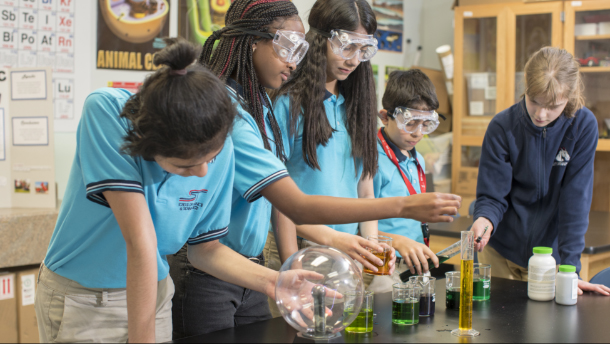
(260, 48)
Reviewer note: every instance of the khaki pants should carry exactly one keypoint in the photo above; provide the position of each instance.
(68, 312)
(500, 266)
(273, 261)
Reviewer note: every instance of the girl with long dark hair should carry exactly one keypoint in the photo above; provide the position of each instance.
(259, 48)
(327, 112)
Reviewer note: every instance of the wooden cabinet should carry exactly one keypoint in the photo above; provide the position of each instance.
(492, 44)
(596, 48)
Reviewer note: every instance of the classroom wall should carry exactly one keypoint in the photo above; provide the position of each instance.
(436, 29)
(420, 17)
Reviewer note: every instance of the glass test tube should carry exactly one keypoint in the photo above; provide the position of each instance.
(466, 285)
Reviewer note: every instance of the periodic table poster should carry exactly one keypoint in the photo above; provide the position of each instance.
(37, 34)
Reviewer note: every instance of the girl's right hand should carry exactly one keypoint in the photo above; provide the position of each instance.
(415, 255)
(431, 207)
(356, 247)
(478, 227)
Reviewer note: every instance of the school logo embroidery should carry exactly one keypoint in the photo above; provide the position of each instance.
(562, 158)
(190, 202)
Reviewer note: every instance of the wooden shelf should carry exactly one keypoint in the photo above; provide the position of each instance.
(476, 141)
(595, 69)
(592, 38)
(603, 145)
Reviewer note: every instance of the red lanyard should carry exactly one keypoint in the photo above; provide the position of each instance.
(420, 171)
(422, 179)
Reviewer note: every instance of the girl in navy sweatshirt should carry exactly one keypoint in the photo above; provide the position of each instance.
(535, 179)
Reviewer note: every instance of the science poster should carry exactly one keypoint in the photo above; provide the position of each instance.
(390, 16)
(199, 18)
(129, 32)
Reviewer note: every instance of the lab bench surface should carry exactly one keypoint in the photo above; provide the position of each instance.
(509, 316)
(595, 256)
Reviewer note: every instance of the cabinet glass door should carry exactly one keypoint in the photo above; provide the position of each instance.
(592, 50)
(533, 31)
(480, 56)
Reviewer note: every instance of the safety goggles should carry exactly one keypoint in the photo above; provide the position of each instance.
(290, 46)
(411, 120)
(348, 44)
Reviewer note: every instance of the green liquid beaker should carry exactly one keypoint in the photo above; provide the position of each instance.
(364, 321)
(481, 282)
(405, 304)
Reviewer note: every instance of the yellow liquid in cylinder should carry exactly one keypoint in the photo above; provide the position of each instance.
(466, 280)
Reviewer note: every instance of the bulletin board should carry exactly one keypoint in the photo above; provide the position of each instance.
(29, 169)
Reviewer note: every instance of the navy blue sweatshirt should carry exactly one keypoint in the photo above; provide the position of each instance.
(535, 184)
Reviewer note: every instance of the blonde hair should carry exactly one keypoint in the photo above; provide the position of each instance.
(553, 73)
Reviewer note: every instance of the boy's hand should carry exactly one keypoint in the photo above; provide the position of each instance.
(431, 207)
(596, 288)
(478, 227)
(414, 253)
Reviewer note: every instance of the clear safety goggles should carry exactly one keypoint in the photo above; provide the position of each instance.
(411, 120)
(349, 44)
(290, 46)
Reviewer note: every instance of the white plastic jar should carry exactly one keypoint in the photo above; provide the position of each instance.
(567, 285)
(541, 271)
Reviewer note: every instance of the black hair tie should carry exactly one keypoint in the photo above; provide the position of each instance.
(320, 32)
(216, 34)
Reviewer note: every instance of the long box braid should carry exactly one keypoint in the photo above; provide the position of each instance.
(234, 55)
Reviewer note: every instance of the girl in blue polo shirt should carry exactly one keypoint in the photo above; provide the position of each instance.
(259, 48)
(327, 113)
(535, 181)
(135, 195)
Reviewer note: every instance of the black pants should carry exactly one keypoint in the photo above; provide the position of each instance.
(202, 303)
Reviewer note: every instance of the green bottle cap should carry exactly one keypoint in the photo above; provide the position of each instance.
(567, 268)
(543, 250)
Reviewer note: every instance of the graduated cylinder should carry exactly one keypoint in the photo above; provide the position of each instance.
(466, 286)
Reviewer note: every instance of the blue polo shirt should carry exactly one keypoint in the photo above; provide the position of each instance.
(389, 183)
(87, 245)
(255, 169)
(338, 175)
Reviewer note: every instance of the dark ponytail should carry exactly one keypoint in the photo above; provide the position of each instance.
(234, 56)
(307, 87)
(182, 111)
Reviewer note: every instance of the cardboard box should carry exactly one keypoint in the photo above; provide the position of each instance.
(438, 79)
(436, 151)
(587, 29)
(482, 93)
(604, 28)
(467, 182)
(8, 309)
(482, 2)
(26, 313)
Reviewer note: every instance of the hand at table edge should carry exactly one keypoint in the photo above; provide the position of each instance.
(596, 288)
